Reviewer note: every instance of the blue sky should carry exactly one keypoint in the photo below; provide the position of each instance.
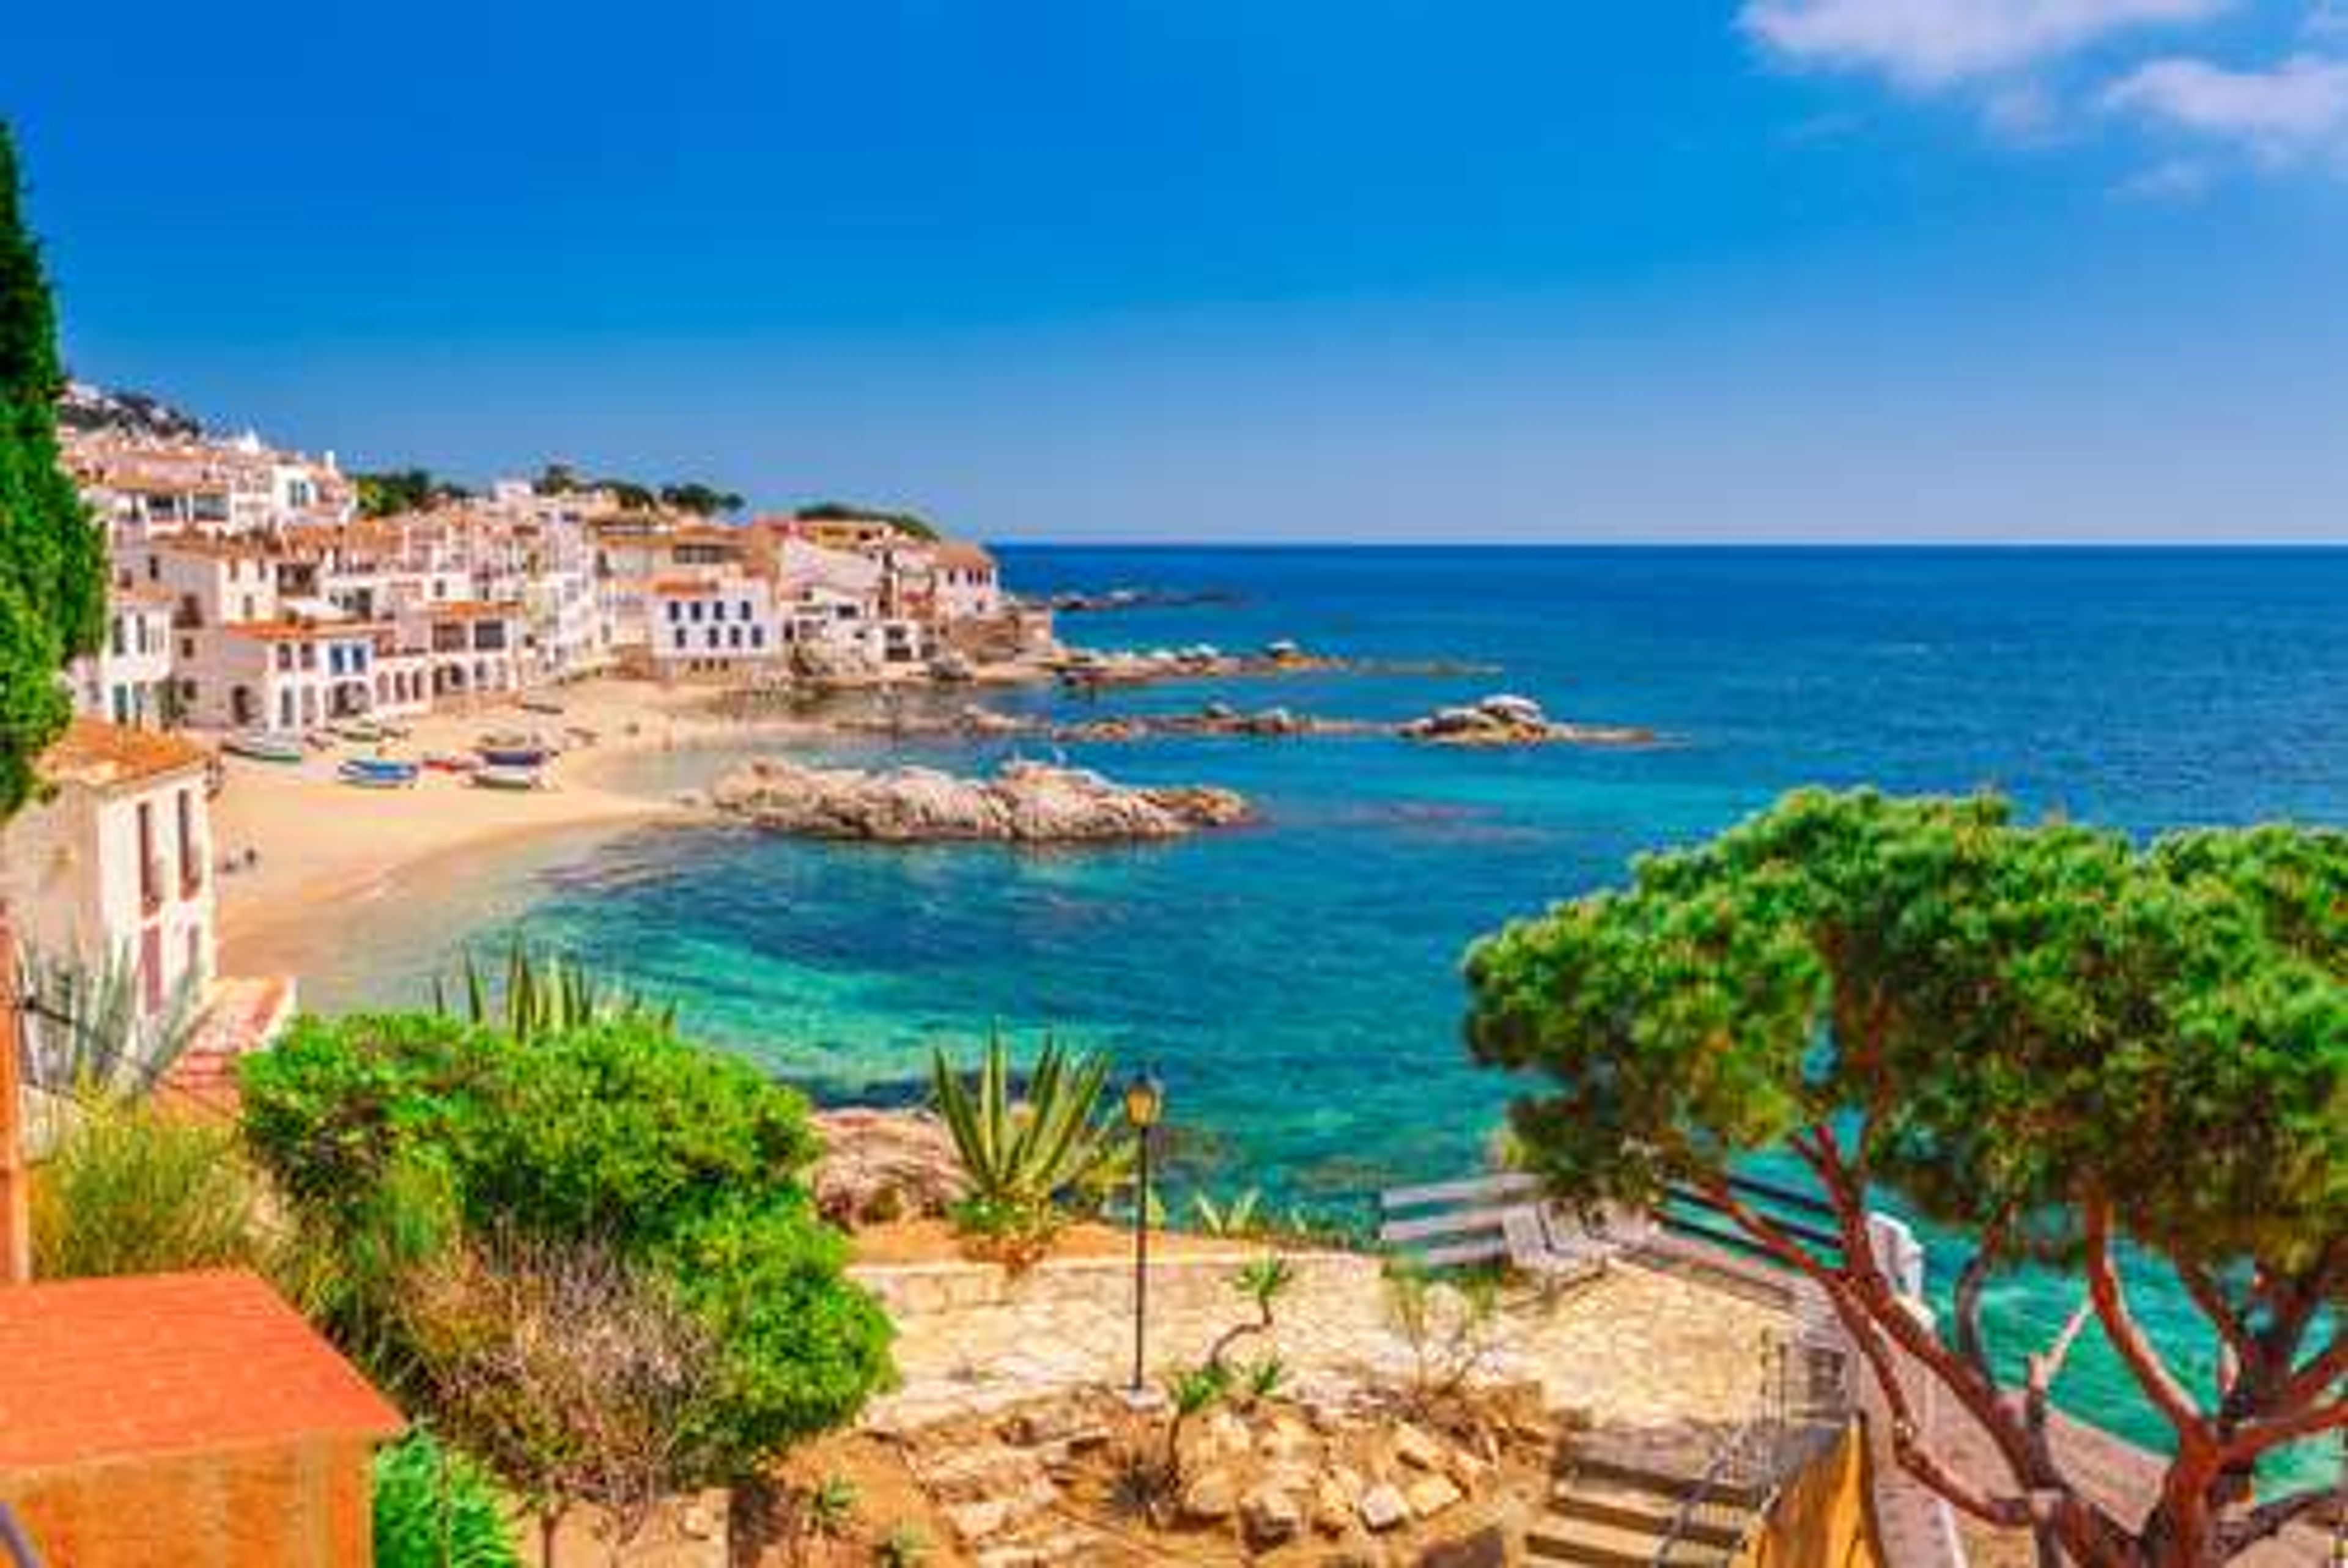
(1915, 269)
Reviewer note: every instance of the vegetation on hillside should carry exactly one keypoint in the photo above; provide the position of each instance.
(397, 490)
(910, 523)
(2046, 1036)
(52, 554)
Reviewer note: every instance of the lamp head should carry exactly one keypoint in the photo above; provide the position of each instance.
(1144, 1102)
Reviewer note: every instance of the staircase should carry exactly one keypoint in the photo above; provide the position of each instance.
(1629, 1509)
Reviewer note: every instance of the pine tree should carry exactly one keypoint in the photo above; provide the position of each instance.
(52, 556)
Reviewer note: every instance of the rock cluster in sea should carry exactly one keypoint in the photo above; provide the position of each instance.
(1505, 720)
(1024, 802)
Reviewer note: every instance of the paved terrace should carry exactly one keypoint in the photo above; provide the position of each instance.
(1634, 1347)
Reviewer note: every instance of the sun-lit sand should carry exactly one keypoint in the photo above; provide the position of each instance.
(321, 843)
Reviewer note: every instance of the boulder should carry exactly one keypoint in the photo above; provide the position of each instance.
(1414, 1445)
(1383, 1507)
(1268, 1515)
(1510, 709)
(1430, 1495)
(1210, 1496)
(1333, 1503)
(880, 1166)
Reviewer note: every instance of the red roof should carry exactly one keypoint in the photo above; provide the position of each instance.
(103, 1369)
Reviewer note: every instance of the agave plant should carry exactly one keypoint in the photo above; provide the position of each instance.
(88, 1034)
(544, 993)
(1023, 1158)
(1232, 1219)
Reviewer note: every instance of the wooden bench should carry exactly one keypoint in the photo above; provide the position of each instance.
(1504, 1218)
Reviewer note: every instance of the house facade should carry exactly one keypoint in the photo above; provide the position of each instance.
(116, 862)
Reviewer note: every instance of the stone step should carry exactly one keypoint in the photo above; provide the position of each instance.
(1671, 1482)
(1632, 1507)
(1590, 1541)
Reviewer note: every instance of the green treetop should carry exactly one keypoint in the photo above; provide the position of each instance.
(2044, 1035)
(52, 556)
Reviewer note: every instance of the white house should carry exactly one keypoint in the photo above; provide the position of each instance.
(279, 674)
(967, 584)
(707, 626)
(116, 861)
(128, 681)
(212, 582)
(472, 647)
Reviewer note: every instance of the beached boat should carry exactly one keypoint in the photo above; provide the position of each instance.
(367, 732)
(377, 772)
(539, 706)
(261, 746)
(495, 775)
(451, 763)
(522, 756)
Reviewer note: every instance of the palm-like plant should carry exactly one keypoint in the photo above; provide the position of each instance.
(90, 1038)
(544, 993)
(1023, 1158)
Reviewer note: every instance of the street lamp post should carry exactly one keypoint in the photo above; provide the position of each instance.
(1144, 1103)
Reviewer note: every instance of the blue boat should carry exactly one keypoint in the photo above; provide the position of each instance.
(377, 772)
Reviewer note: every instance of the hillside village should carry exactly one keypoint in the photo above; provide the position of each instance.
(249, 592)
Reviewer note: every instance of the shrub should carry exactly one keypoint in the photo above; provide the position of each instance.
(618, 1131)
(577, 1376)
(136, 1188)
(435, 1508)
(404, 1139)
(798, 1351)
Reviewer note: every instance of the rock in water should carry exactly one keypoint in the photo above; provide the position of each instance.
(1024, 802)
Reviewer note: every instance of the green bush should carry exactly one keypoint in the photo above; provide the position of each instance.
(135, 1188)
(400, 1137)
(435, 1507)
(799, 1352)
(618, 1129)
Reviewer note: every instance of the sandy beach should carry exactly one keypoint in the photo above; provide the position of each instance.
(320, 841)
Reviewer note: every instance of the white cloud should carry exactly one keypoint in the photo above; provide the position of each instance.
(1925, 43)
(2172, 179)
(2298, 109)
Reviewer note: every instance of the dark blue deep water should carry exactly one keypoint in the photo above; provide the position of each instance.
(1296, 983)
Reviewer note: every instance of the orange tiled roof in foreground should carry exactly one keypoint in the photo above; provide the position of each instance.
(101, 755)
(150, 1365)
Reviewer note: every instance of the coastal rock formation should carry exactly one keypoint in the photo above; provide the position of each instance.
(1505, 720)
(884, 1165)
(1024, 802)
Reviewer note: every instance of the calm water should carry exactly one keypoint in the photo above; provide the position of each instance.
(1297, 984)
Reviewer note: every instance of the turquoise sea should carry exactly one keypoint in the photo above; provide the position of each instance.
(1296, 983)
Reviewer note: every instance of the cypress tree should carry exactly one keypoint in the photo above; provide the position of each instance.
(52, 556)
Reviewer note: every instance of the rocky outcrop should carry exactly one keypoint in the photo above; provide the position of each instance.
(883, 1165)
(1022, 803)
(1505, 720)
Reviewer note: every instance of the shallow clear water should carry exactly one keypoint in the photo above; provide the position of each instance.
(1296, 983)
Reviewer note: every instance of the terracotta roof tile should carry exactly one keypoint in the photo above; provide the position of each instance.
(103, 1369)
(101, 755)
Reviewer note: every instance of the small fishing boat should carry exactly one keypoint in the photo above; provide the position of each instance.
(527, 755)
(498, 776)
(365, 731)
(539, 705)
(451, 763)
(377, 772)
(264, 746)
